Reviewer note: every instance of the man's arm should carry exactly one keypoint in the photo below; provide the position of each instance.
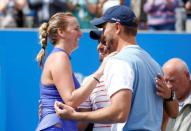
(81, 124)
(164, 121)
(117, 112)
(170, 106)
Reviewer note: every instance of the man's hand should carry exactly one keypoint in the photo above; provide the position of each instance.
(162, 89)
(64, 111)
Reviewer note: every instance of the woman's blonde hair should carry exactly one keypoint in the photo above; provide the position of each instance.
(48, 30)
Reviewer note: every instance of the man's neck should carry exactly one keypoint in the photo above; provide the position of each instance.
(182, 99)
(183, 102)
(125, 42)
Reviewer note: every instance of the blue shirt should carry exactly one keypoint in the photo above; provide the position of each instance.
(146, 107)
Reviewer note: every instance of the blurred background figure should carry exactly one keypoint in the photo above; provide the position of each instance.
(44, 9)
(137, 6)
(183, 16)
(103, 5)
(187, 5)
(180, 17)
(161, 14)
(85, 11)
(11, 12)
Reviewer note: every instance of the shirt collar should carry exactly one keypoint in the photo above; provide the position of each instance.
(185, 102)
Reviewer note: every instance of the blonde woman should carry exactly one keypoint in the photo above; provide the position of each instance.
(57, 80)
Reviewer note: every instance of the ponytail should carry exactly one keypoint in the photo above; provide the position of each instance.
(43, 41)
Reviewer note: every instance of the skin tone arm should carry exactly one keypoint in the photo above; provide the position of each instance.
(122, 2)
(170, 110)
(61, 73)
(3, 4)
(188, 5)
(81, 124)
(115, 113)
(171, 107)
(19, 4)
(165, 121)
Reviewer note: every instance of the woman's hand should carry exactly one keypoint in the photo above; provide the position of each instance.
(63, 111)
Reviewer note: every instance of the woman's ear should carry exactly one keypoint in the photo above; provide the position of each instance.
(61, 33)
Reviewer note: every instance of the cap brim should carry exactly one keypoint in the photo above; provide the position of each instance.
(95, 34)
(98, 22)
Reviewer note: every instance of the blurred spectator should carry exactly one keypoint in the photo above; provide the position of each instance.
(180, 17)
(28, 17)
(44, 9)
(105, 4)
(11, 13)
(109, 3)
(85, 10)
(187, 5)
(161, 14)
(183, 16)
(137, 6)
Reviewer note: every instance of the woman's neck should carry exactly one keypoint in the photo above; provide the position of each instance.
(64, 47)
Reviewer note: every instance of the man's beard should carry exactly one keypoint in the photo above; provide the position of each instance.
(111, 44)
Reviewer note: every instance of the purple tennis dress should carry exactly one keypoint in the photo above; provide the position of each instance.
(48, 120)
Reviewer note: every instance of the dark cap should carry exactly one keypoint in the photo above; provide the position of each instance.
(119, 13)
(95, 34)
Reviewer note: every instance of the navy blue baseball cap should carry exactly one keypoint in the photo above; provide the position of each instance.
(95, 34)
(119, 13)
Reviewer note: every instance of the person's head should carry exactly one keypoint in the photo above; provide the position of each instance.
(177, 77)
(117, 20)
(103, 47)
(62, 28)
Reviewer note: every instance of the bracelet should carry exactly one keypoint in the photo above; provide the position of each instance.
(96, 79)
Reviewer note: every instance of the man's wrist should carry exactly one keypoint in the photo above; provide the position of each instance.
(172, 97)
(79, 116)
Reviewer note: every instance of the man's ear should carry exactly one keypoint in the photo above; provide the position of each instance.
(118, 27)
(61, 33)
(187, 74)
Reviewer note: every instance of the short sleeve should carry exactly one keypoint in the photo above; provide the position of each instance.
(118, 75)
